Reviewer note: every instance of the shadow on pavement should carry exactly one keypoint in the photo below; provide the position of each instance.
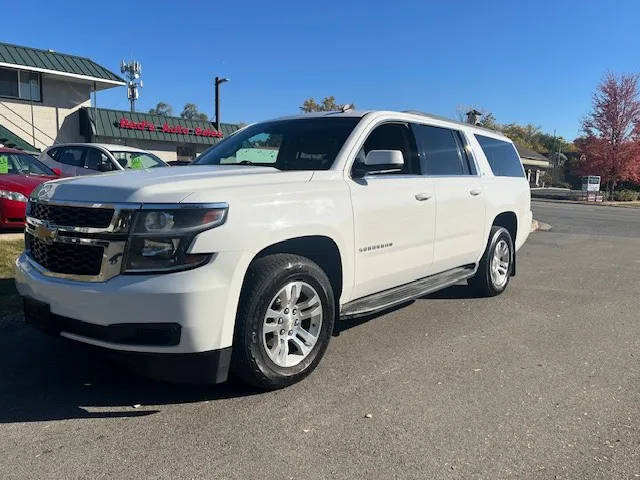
(45, 378)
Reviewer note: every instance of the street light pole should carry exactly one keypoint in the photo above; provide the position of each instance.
(217, 83)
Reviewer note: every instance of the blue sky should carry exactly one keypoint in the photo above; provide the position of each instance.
(536, 62)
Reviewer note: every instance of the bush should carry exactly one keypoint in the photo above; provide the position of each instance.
(625, 196)
(563, 185)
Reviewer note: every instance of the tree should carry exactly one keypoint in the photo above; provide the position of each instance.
(610, 146)
(190, 112)
(163, 109)
(328, 104)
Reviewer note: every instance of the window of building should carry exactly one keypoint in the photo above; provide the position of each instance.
(440, 151)
(19, 84)
(502, 157)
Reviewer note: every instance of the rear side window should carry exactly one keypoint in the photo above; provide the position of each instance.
(71, 156)
(440, 151)
(502, 157)
(53, 153)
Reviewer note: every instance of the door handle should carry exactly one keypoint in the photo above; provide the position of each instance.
(475, 192)
(421, 197)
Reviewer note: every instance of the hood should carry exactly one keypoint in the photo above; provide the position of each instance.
(168, 184)
(23, 184)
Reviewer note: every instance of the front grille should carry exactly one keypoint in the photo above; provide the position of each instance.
(72, 216)
(65, 258)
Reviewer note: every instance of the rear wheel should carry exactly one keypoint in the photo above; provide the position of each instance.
(284, 322)
(496, 264)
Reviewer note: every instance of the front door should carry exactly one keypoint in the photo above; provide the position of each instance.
(394, 216)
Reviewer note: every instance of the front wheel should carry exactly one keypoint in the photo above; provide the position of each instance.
(496, 264)
(284, 322)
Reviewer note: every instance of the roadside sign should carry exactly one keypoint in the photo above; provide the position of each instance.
(591, 183)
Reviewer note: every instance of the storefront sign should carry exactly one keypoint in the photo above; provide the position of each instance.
(166, 128)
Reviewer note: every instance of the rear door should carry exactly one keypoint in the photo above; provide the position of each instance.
(70, 160)
(394, 215)
(460, 205)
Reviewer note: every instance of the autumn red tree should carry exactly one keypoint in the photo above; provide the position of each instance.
(611, 145)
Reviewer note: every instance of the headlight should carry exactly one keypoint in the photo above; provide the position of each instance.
(15, 196)
(160, 237)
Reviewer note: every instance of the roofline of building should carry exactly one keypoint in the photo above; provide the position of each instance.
(59, 73)
(127, 112)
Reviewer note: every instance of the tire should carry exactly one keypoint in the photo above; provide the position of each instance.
(264, 356)
(483, 281)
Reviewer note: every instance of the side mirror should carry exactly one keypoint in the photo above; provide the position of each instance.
(379, 161)
(57, 171)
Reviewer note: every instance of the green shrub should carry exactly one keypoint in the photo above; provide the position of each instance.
(625, 196)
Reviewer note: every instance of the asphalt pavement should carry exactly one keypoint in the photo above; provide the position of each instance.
(541, 382)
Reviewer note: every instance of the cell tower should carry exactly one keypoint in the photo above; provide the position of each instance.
(133, 70)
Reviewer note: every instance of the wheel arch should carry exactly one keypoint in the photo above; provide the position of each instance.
(509, 220)
(321, 249)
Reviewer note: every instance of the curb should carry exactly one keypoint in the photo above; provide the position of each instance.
(578, 202)
(538, 226)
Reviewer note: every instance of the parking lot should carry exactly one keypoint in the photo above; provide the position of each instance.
(541, 382)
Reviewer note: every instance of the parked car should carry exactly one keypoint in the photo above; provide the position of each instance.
(244, 260)
(74, 159)
(20, 173)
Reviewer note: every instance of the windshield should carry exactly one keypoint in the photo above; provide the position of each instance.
(22, 164)
(302, 144)
(137, 160)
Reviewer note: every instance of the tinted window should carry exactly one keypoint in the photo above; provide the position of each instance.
(71, 156)
(391, 136)
(23, 163)
(97, 160)
(53, 153)
(303, 144)
(502, 157)
(439, 151)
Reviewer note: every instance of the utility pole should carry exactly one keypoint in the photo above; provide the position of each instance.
(133, 70)
(217, 82)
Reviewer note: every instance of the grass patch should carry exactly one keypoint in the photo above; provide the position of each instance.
(9, 300)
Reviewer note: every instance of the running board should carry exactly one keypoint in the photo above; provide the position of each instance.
(404, 293)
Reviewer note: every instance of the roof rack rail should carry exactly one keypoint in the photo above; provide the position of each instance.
(445, 119)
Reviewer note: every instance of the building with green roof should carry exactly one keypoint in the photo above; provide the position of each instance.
(42, 92)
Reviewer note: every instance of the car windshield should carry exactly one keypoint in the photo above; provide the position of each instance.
(137, 160)
(22, 164)
(301, 144)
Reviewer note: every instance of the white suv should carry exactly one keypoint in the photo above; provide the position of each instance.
(74, 159)
(244, 260)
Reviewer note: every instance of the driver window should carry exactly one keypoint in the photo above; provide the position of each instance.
(95, 158)
(391, 136)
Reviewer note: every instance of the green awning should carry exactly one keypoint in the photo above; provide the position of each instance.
(11, 140)
(106, 123)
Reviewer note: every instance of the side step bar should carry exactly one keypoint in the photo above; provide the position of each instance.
(404, 293)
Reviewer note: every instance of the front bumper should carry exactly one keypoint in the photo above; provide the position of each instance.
(202, 302)
(12, 214)
(197, 368)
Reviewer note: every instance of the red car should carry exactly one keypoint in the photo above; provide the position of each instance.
(20, 173)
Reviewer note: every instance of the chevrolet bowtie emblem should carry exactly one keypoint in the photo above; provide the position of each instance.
(46, 233)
